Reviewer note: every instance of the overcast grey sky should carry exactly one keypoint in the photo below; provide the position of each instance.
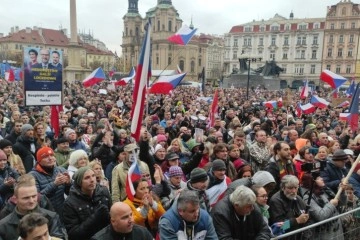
(104, 17)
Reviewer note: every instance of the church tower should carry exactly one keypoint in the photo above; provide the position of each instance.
(132, 35)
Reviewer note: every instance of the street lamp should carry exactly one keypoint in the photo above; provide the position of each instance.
(248, 61)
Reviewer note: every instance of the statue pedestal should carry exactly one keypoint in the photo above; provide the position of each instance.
(74, 71)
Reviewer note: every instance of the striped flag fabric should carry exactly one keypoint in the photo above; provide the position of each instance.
(141, 80)
(351, 89)
(305, 91)
(307, 108)
(54, 119)
(213, 110)
(9, 75)
(333, 79)
(319, 102)
(95, 77)
(133, 175)
(354, 110)
(124, 81)
(165, 84)
(183, 36)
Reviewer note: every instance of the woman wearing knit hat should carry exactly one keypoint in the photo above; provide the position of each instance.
(176, 184)
(159, 155)
(78, 159)
(13, 159)
(86, 210)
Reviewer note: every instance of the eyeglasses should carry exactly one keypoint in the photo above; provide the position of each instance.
(263, 196)
(145, 175)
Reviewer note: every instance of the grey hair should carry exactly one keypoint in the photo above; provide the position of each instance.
(187, 196)
(289, 181)
(242, 196)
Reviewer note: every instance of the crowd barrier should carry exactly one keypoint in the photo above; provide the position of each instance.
(329, 229)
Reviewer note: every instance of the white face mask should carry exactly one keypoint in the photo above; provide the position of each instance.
(132, 157)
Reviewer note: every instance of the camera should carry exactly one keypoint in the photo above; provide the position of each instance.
(313, 166)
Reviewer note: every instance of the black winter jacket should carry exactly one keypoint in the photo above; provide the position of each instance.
(22, 148)
(83, 215)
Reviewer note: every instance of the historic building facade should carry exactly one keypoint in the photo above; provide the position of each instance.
(165, 21)
(341, 39)
(295, 45)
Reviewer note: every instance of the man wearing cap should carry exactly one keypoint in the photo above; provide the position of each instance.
(118, 181)
(15, 132)
(186, 220)
(86, 210)
(176, 185)
(335, 171)
(74, 143)
(62, 152)
(199, 182)
(51, 181)
(26, 147)
(218, 182)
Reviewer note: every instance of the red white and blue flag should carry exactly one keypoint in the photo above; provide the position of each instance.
(343, 104)
(133, 175)
(141, 80)
(270, 104)
(298, 110)
(55, 109)
(351, 89)
(9, 75)
(95, 77)
(124, 81)
(183, 36)
(112, 71)
(344, 116)
(166, 83)
(354, 110)
(319, 102)
(333, 79)
(305, 90)
(214, 110)
(307, 108)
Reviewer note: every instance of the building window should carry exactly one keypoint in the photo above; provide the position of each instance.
(302, 26)
(170, 47)
(248, 29)
(273, 40)
(340, 51)
(287, 27)
(181, 65)
(302, 54)
(235, 42)
(286, 40)
(170, 26)
(337, 69)
(331, 38)
(343, 11)
(192, 66)
(299, 69)
(298, 42)
(285, 55)
(262, 29)
(157, 60)
(329, 54)
(350, 52)
(316, 26)
(313, 54)
(303, 41)
(274, 28)
(315, 40)
(169, 60)
(157, 46)
(348, 69)
(352, 25)
(272, 55)
(261, 41)
(341, 38)
(351, 38)
(332, 26)
(235, 55)
(158, 25)
(284, 68)
(328, 67)
(312, 69)
(342, 26)
(199, 62)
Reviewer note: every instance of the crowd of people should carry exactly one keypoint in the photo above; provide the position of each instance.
(257, 173)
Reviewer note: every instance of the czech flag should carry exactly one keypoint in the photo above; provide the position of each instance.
(183, 36)
(280, 102)
(354, 110)
(344, 117)
(133, 175)
(9, 75)
(351, 89)
(5, 66)
(343, 104)
(319, 102)
(305, 91)
(307, 108)
(298, 110)
(141, 80)
(95, 77)
(125, 80)
(166, 83)
(332, 79)
(270, 104)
